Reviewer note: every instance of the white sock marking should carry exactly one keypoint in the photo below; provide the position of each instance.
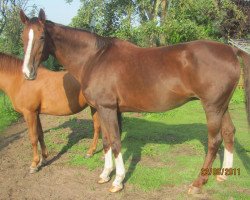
(108, 165)
(26, 69)
(108, 159)
(227, 163)
(120, 171)
(228, 159)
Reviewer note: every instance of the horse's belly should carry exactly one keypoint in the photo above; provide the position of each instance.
(61, 108)
(153, 103)
(59, 111)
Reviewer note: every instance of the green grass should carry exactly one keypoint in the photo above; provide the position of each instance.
(7, 114)
(164, 149)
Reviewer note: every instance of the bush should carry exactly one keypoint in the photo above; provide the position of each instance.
(213, 19)
(187, 20)
(7, 113)
(52, 64)
(183, 30)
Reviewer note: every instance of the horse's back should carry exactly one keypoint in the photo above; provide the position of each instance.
(159, 79)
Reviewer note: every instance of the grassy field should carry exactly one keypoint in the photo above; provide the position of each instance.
(7, 114)
(165, 149)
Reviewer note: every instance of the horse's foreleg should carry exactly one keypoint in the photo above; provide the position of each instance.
(108, 165)
(214, 119)
(31, 120)
(110, 128)
(97, 128)
(227, 131)
(41, 141)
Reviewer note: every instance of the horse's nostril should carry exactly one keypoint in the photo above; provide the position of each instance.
(26, 77)
(31, 76)
(31, 70)
(34, 75)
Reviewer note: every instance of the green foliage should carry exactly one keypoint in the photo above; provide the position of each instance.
(233, 23)
(154, 23)
(183, 30)
(10, 36)
(52, 64)
(7, 113)
(203, 19)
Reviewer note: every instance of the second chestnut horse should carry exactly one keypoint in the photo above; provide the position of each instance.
(53, 93)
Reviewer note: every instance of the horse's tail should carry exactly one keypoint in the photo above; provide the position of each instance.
(246, 74)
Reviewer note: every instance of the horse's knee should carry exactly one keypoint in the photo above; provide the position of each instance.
(214, 142)
(228, 134)
(34, 142)
(106, 145)
(116, 148)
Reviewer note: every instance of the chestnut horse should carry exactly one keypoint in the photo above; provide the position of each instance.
(118, 76)
(53, 93)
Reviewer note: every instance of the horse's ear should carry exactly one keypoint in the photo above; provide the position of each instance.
(23, 17)
(41, 16)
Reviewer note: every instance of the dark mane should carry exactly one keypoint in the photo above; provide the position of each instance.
(9, 63)
(101, 42)
(104, 42)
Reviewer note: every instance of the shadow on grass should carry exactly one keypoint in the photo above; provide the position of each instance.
(242, 153)
(79, 129)
(5, 141)
(140, 132)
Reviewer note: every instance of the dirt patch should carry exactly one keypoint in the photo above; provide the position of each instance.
(58, 180)
(184, 150)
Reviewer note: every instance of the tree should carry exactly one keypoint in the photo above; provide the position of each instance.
(10, 25)
(160, 22)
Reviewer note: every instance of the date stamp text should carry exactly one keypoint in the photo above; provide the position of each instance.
(220, 171)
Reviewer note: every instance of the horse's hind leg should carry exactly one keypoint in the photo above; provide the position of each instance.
(97, 129)
(41, 141)
(227, 131)
(214, 121)
(31, 120)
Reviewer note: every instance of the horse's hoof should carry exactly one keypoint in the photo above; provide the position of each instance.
(194, 190)
(221, 178)
(103, 180)
(88, 155)
(33, 170)
(44, 162)
(115, 189)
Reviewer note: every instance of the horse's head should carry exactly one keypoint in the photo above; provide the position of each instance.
(34, 42)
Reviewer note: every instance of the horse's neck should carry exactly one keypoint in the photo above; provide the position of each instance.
(9, 82)
(72, 48)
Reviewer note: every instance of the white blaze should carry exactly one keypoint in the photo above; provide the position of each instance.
(26, 69)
